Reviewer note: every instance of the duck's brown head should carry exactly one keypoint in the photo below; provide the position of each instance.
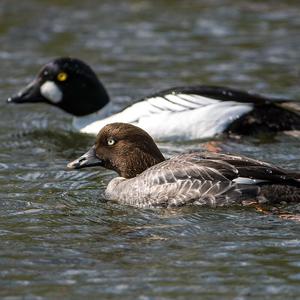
(121, 147)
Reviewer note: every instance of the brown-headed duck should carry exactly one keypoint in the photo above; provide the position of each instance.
(147, 179)
(183, 113)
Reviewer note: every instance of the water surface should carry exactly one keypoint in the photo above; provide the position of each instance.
(58, 238)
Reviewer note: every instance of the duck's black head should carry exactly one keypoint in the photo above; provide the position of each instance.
(67, 83)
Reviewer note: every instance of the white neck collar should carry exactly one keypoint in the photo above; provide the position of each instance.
(106, 111)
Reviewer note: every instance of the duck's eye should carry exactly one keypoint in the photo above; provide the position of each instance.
(62, 76)
(111, 142)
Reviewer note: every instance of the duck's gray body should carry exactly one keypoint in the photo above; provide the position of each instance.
(204, 179)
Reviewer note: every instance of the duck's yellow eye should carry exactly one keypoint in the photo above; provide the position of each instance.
(111, 142)
(62, 76)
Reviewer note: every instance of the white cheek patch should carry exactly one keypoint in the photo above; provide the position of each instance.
(51, 92)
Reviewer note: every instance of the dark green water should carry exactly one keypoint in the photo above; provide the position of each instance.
(58, 240)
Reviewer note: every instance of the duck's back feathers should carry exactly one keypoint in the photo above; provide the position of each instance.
(253, 169)
(218, 93)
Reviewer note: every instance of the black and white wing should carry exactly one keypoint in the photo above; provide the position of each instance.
(188, 98)
(179, 99)
(251, 113)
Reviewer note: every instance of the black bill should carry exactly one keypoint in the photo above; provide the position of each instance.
(89, 159)
(31, 93)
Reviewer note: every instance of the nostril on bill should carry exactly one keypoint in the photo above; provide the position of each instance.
(81, 160)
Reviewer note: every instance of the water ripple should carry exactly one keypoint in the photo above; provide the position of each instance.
(58, 236)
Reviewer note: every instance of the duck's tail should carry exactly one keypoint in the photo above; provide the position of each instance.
(292, 106)
(297, 176)
(280, 193)
(269, 116)
(284, 115)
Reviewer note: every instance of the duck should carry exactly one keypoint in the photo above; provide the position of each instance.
(148, 180)
(178, 113)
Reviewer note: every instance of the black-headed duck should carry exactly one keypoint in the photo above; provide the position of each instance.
(182, 113)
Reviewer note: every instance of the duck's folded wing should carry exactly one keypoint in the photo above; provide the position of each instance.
(209, 178)
(190, 179)
(253, 169)
(221, 167)
(192, 165)
(180, 98)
